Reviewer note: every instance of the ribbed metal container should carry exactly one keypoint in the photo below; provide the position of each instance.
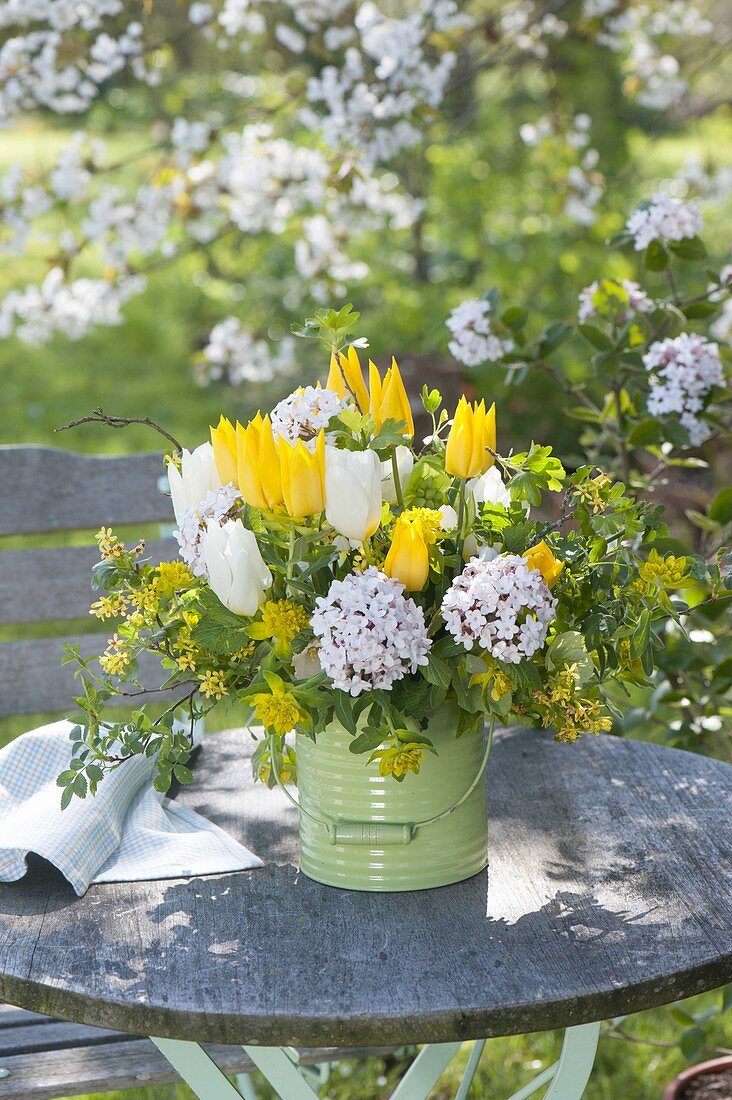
(368, 809)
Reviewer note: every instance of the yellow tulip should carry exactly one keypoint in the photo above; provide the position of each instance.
(258, 464)
(388, 399)
(223, 440)
(303, 476)
(540, 557)
(473, 431)
(408, 559)
(346, 378)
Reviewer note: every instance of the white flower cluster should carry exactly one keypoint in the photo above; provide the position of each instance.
(34, 67)
(641, 32)
(583, 182)
(305, 412)
(663, 219)
(638, 301)
(473, 341)
(683, 370)
(70, 308)
(526, 26)
(371, 634)
(216, 508)
(234, 354)
(372, 101)
(500, 605)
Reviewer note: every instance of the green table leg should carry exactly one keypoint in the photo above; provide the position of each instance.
(567, 1078)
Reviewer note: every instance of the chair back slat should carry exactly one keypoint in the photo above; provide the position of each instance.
(53, 584)
(33, 680)
(43, 489)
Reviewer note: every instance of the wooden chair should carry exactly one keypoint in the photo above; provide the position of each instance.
(48, 492)
(45, 491)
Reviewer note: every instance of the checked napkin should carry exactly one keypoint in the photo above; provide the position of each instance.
(127, 832)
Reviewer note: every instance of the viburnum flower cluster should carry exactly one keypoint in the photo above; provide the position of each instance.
(305, 412)
(683, 370)
(338, 566)
(502, 606)
(371, 635)
(664, 219)
(473, 341)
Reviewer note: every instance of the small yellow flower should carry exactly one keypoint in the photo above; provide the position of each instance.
(399, 760)
(668, 572)
(212, 684)
(541, 558)
(592, 492)
(109, 607)
(109, 545)
(282, 620)
(346, 378)
(388, 398)
(116, 658)
(277, 709)
(473, 432)
(173, 576)
(146, 598)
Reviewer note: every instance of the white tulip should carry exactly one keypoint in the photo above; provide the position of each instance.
(489, 489)
(405, 464)
(353, 492)
(236, 569)
(448, 517)
(197, 476)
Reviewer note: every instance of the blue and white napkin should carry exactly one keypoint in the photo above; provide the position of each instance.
(127, 832)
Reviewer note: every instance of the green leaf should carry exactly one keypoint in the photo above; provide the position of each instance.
(514, 318)
(369, 739)
(344, 711)
(642, 636)
(693, 1042)
(552, 336)
(691, 248)
(569, 649)
(720, 510)
(596, 337)
(437, 672)
(656, 257)
(182, 774)
(646, 431)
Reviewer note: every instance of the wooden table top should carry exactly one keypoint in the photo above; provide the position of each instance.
(608, 891)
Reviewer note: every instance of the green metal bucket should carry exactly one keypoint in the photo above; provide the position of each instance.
(363, 831)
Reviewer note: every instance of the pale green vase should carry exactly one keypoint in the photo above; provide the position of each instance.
(360, 830)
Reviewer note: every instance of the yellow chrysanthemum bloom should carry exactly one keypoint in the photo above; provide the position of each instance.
(399, 760)
(173, 575)
(277, 709)
(668, 572)
(212, 684)
(282, 620)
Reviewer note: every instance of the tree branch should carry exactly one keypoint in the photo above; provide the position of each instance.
(98, 416)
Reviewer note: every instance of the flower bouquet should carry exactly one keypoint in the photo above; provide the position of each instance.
(378, 603)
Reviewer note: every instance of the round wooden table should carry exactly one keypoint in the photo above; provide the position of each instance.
(608, 891)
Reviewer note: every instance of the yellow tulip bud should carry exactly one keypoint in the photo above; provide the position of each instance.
(303, 476)
(346, 378)
(408, 559)
(258, 464)
(540, 557)
(223, 441)
(473, 431)
(388, 399)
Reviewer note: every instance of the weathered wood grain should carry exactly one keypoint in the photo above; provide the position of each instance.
(609, 891)
(55, 584)
(33, 680)
(78, 1060)
(44, 489)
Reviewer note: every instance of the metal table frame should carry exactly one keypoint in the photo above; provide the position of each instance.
(567, 1077)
